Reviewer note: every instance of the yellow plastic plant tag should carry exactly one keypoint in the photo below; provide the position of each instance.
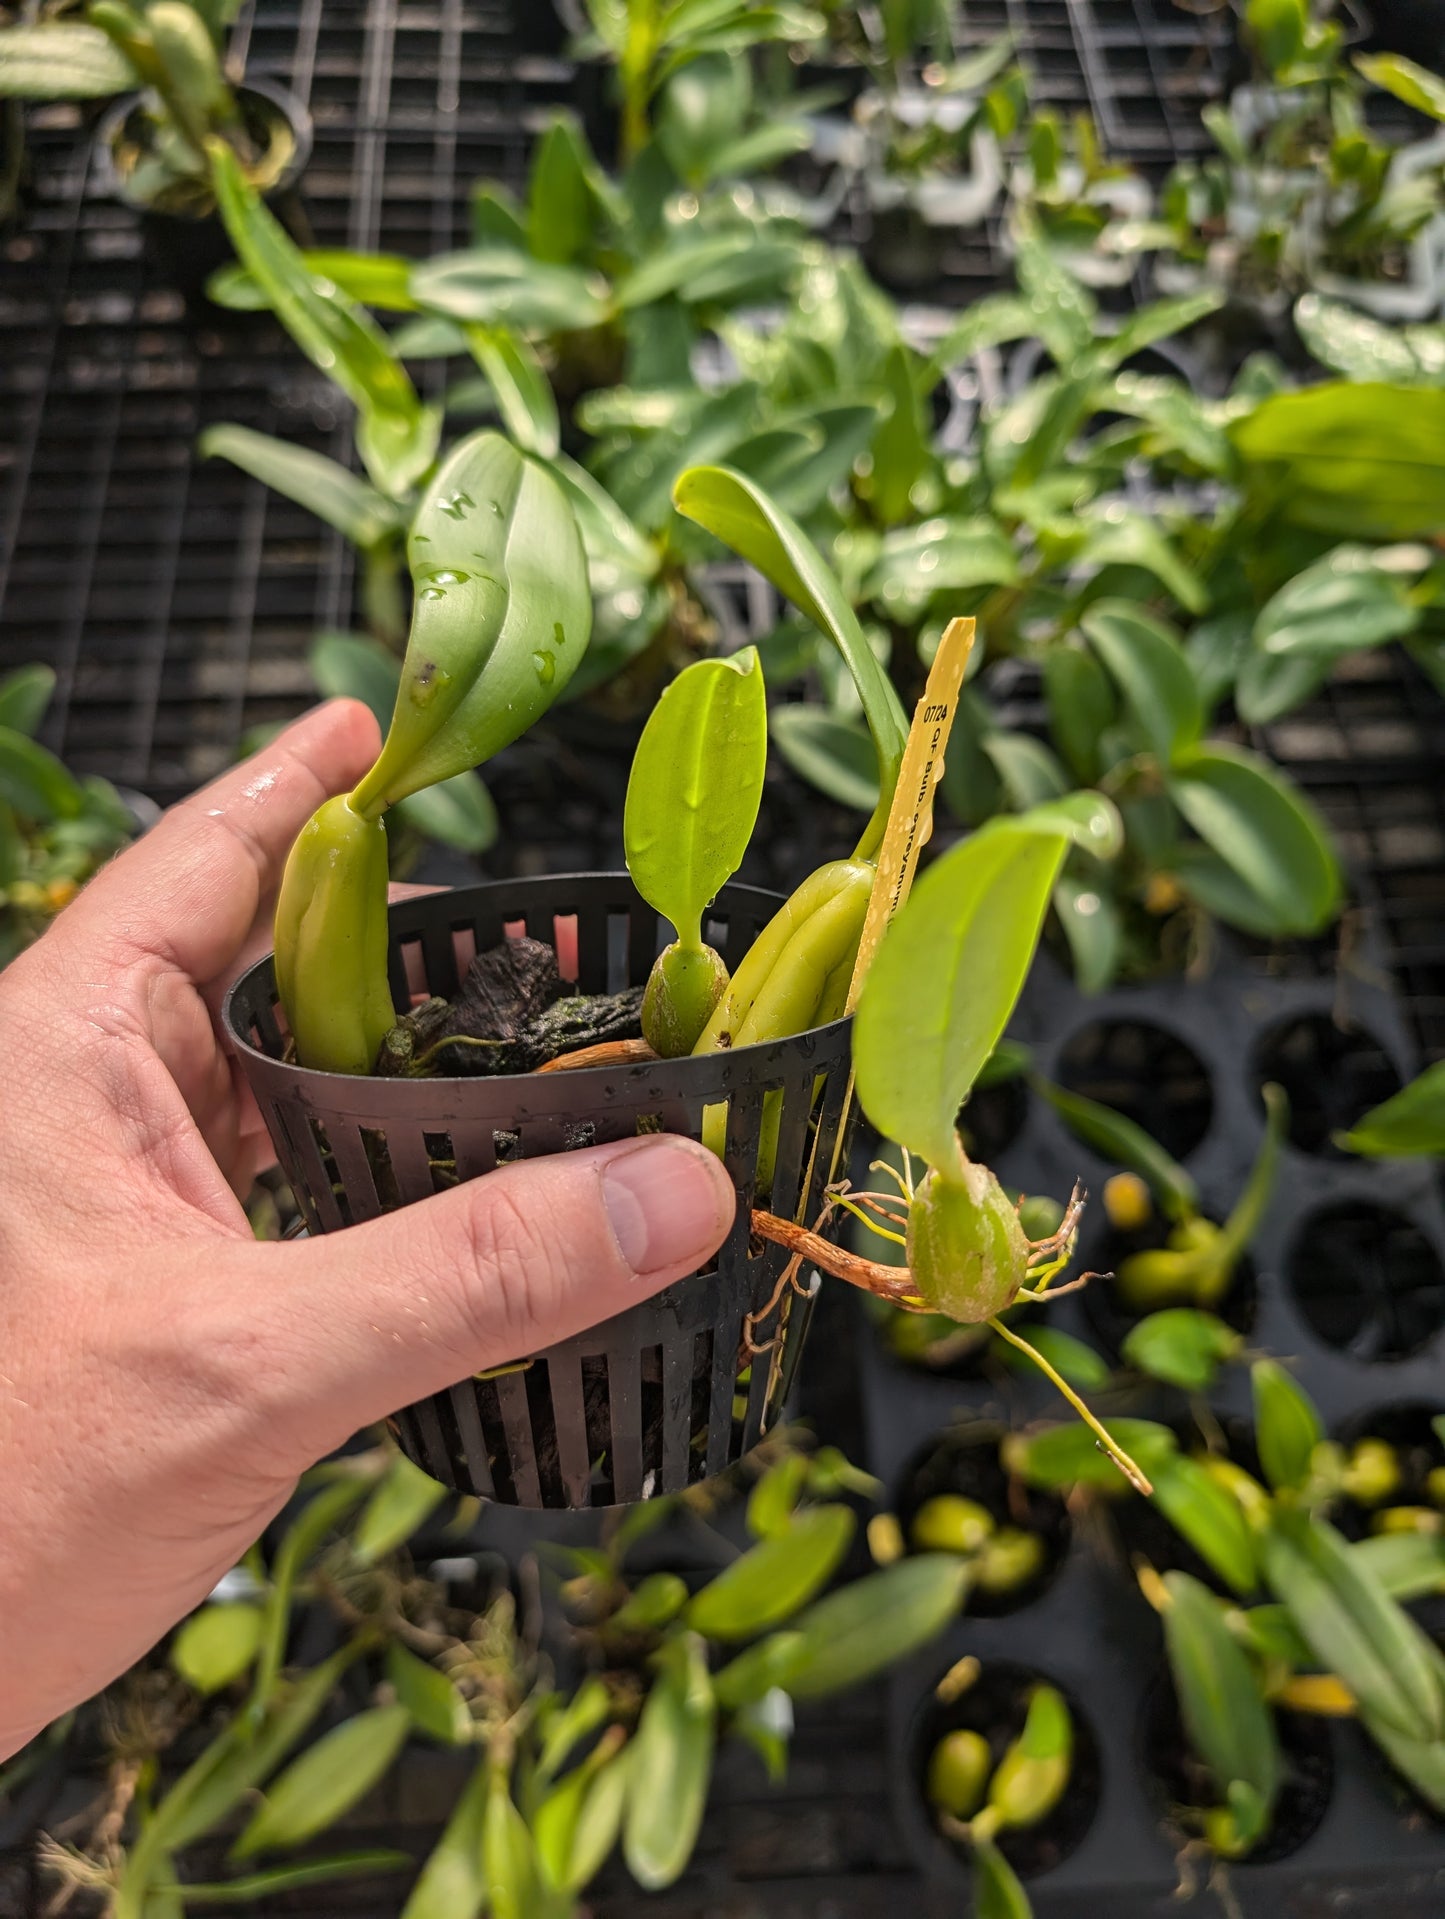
(910, 822)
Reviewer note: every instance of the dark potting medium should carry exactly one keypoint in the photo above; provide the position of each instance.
(668, 1392)
(1368, 1343)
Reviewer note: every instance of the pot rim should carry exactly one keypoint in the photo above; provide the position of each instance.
(292, 108)
(670, 1075)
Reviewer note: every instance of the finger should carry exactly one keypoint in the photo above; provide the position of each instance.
(190, 892)
(357, 1323)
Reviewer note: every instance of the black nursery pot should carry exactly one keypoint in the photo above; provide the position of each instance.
(667, 1393)
(188, 248)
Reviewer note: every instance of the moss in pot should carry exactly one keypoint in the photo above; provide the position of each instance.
(746, 1048)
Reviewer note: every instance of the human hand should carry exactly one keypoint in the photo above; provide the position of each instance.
(164, 1379)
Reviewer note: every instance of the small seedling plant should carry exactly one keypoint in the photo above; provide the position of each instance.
(975, 1800)
(172, 52)
(1298, 1618)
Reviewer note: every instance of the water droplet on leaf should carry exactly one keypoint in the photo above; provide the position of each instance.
(546, 667)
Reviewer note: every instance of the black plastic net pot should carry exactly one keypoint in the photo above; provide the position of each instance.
(669, 1392)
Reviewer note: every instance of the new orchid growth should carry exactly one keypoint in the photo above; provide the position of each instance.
(501, 620)
(692, 802)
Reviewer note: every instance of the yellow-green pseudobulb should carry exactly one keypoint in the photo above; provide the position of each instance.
(966, 1249)
(331, 941)
(683, 988)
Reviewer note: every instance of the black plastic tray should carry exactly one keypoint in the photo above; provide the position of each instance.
(1374, 1852)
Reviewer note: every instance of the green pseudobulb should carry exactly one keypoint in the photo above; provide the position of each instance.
(331, 929)
(966, 1249)
(684, 986)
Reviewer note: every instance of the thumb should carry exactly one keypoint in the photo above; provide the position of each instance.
(357, 1323)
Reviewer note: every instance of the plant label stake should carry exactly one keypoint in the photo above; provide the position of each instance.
(909, 829)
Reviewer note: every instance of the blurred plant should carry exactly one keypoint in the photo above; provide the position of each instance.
(172, 52)
(55, 829)
(1332, 1635)
(1196, 1265)
(974, 1801)
(1093, 211)
(560, 1780)
(1303, 193)
(1411, 1125)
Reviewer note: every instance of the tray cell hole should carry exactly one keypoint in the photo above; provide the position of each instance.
(1111, 1316)
(583, 1133)
(332, 1172)
(1368, 1281)
(383, 1173)
(1332, 1074)
(514, 929)
(564, 945)
(648, 1123)
(1180, 1781)
(966, 1463)
(1146, 1073)
(996, 1705)
(1408, 1427)
(992, 1118)
(441, 1158)
(597, 1412)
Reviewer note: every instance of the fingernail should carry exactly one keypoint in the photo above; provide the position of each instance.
(669, 1203)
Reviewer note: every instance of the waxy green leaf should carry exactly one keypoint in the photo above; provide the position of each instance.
(34, 782)
(768, 1584)
(435, 1705)
(670, 1767)
(1069, 1454)
(503, 286)
(358, 511)
(1348, 341)
(1354, 1629)
(1362, 460)
(1182, 1346)
(1411, 1125)
(520, 387)
(24, 696)
(836, 755)
(1287, 1426)
(1207, 1515)
(452, 1884)
(326, 1781)
(1226, 1719)
(1266, 834)
(61, 60)
(695, 787)
(1148, 664)
(375, 279)
(217, 1645)
(739, 514)
(501, 620)
(855, 1633)
(1414, 84)
(950, 970)
(1355, 597)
